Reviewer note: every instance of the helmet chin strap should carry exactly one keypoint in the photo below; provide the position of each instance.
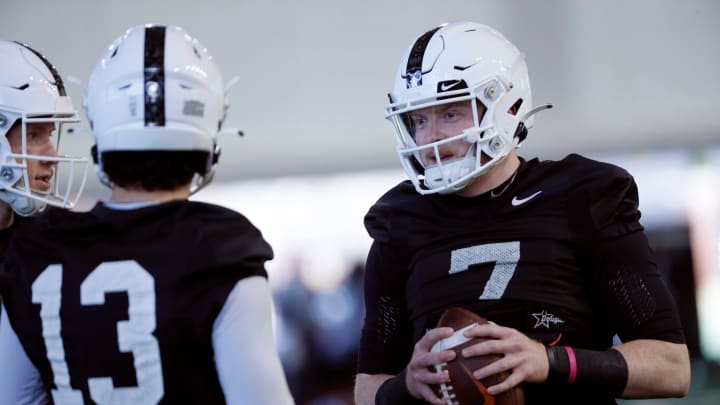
(522, 130)
(200, 182)
(535, 110)
(21, 205)
(232, 131)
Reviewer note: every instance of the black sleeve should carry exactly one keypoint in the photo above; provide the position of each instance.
(604, 204)
(228, 252)
(386, 339)
(630, 291)
(5, 235)
(5, 238)
(231, 244)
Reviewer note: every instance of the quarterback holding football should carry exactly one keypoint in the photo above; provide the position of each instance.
(551, 253)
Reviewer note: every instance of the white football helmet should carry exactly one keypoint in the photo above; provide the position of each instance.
(456, 62)
(156, 88)
(31, 91)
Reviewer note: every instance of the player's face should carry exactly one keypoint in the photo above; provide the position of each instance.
(440, 122)
(39, 142)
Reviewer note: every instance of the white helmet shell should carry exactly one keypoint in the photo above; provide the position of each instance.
(156, 88)
(455, 62)
(32, 91)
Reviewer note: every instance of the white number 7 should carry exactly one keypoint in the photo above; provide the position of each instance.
(134, 335)
(505, 255)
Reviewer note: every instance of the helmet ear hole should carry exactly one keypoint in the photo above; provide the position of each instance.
(513, 110)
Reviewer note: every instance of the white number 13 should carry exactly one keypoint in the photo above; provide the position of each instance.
(134, 335)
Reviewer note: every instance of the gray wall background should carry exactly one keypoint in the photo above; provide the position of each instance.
(623, 75)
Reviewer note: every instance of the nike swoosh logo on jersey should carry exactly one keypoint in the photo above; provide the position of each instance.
(520, 201)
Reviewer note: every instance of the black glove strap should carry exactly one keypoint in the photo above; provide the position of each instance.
(597, 371)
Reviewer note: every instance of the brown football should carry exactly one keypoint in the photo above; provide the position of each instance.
(463, 388)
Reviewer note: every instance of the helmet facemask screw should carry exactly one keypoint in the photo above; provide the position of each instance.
(496, 145)
(491, 93)
(6, 174)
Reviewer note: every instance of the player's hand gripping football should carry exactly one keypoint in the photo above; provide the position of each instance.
(420, 375)
(524, 359)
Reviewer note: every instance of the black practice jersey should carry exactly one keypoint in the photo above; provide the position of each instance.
(121, 304)
(5, 235)
(556, 252)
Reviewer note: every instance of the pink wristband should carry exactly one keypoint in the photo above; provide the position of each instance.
(573, 364)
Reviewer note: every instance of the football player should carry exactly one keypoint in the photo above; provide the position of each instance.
(552, 252)
(34, 111)
(147, 298)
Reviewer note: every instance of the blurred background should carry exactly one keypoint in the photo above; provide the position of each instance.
(633, 83)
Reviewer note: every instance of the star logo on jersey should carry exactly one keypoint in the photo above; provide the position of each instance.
(516, 202)
(545, 318)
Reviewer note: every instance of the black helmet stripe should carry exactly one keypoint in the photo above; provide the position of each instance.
(154, 76)
(417, 52)
(56, 76)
